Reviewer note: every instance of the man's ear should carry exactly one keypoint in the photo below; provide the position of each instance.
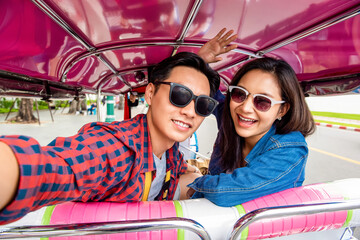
(149, 93)
(283, 109)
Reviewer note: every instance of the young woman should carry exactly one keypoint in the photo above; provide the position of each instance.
(261, 147)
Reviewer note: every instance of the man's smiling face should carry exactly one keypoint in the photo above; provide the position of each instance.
(170, 123)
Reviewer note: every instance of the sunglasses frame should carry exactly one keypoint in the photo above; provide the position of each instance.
(193, 96)
(272, 101)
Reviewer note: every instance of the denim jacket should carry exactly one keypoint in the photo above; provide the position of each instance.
(277, 162)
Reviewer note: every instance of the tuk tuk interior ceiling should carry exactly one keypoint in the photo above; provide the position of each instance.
(101, 45)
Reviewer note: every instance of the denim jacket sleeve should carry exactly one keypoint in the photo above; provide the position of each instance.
(279, 167)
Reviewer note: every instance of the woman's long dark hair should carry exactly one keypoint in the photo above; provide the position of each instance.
(298, 117)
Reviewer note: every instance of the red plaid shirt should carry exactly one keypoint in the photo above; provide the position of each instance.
(103, 162)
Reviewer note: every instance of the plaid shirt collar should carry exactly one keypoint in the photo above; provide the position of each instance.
(146, 148)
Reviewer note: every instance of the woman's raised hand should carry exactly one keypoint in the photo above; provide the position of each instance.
(218, 45)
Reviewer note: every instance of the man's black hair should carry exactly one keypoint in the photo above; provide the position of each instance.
(162, 70)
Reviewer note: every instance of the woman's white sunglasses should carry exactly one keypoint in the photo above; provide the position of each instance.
(261, 102)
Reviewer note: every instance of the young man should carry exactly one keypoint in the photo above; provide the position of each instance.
(132, 160)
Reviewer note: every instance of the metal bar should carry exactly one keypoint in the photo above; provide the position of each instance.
(193, 12)
(311, 31)
(235, 64)
(190, 19)
(197, 153)
(12, 105)
(292, 210)
(81, 229)
(52, 118)
(62, 23)
(98, 103)
(112, 69)
(148, 44)
(107, 63)
(56, 108)
(67, 102)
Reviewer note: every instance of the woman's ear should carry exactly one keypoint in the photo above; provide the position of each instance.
(149, 93)
(283, 110)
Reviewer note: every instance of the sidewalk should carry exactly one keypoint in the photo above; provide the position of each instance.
(337, 120)
(347, 103)
(68, 125)
(64, 124)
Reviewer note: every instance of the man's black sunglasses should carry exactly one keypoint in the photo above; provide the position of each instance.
(181, 96)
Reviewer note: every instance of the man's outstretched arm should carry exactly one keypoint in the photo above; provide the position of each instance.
(9, 175)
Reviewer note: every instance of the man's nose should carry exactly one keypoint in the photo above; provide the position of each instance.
(189, 109)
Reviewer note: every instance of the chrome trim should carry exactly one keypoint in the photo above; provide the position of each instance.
(292, 210)
(98, 102)
(132, 70)
(190, 18)
(62, 23)
(145, 44)
(81, 229)
(94, 51)
(329, 23)
(311, 31)
(112, 69)
(238, 63)
(107, 63)
(197, 153)
(245, 52)
(99, 89)
(149, 44)
(193, 12)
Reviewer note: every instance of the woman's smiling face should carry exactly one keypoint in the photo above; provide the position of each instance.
(249, 122)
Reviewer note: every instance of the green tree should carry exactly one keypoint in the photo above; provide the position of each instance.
(25, 113)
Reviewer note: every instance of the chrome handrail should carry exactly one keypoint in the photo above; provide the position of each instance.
(291, 210)
(80, 229)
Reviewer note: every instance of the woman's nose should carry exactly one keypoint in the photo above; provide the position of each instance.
(247, 105)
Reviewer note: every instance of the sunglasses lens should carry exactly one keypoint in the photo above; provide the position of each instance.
(180, 96)
(262, 103)
(205, 106)
(238, 95)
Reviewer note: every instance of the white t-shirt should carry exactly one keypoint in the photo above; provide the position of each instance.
(158, 181)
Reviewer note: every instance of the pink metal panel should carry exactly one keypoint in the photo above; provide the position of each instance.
(138, 56)
(31, 43)
(330, 52)
(87, 73)
(262, 23)
(111, 21)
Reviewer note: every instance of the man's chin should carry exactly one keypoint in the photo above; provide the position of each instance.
(181, 138)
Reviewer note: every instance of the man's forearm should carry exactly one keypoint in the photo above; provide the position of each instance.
(9, 175)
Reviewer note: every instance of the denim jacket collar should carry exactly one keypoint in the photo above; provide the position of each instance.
(260, 145)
